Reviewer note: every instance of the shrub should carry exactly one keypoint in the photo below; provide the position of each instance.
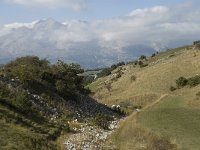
(161, 143)
(172, 88)
(144, 65)
(38, 75)
(113, 67)
(108, 87)
(65, 127)
(4, 90)
(198, 94)
(60, 86)
(197, 46)
(143, 57)
(196, 42)
(153, 55)
(135, 62)
(194, 81)
(102, 121)
(140, 63)
(118, 75)
(21, 100)
(133, 78)
(181, 81)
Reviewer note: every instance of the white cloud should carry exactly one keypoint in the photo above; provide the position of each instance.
(149, 11)
(149, 25)
(18, 25)
(73, 4)
(157, 27)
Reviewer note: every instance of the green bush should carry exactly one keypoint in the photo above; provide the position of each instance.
(197, 46)
(153, 55)
(102, 121)
(194, 81)
(135, 62)
(4, 90)
(39, 76)
(181, 82)
(65, 127)
(143, 57)
(21, 100)
(196, 42)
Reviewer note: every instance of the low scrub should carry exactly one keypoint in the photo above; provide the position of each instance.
(133, 78)
(198, 94)
(102, 121)
(172, 88)
(192, 81)
(107, 71)
(160, 143)
(181, 82)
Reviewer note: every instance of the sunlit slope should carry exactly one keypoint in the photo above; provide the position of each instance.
(153, 80)
(170, 118)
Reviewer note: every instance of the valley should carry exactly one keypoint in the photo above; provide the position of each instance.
(149, 104)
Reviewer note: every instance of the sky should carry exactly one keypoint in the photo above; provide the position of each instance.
(63, 10)
(103, 29)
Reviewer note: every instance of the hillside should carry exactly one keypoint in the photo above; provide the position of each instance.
(160, 118)
(41, 104)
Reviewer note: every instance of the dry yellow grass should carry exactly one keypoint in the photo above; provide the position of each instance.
(151, 83)
(155, 79)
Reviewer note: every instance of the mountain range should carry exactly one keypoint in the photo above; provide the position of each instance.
(75, 41)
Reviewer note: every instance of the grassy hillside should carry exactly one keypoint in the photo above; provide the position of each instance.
(19, 131)
(173, 120)
(39, 103)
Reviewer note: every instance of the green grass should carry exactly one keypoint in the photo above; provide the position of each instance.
(19, 132)
(171, 117)
(176, 116)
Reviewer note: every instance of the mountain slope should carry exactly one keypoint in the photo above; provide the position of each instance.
(175, 116)
(38, 101)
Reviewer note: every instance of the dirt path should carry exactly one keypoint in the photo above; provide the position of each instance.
(91, 138)
(147, 106)
(155, 102)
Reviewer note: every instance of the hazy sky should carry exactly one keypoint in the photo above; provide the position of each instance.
(63, 10)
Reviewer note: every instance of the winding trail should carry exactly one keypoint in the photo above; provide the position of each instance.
(147, 106)
(93, 138)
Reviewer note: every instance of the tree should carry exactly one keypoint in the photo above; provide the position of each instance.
(153, 55)
(143, 57)
(197, 46)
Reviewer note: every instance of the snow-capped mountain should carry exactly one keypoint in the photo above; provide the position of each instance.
(91, 44)
(71, 42)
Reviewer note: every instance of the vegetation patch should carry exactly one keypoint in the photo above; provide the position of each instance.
(102, 121)
(171, 118)
(192, 81)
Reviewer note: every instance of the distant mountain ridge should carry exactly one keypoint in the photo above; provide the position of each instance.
(70, 41)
